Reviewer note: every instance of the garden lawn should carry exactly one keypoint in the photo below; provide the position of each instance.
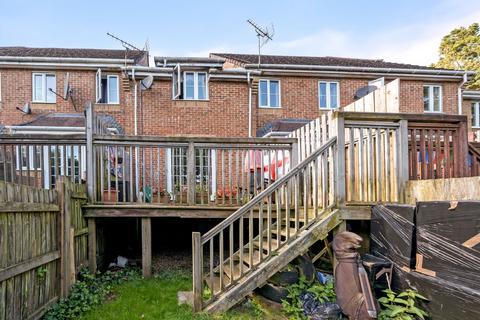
(156, 298)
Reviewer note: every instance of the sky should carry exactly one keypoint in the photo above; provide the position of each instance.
(399, 31)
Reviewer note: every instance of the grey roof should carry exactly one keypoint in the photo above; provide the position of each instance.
(243, 59)
(281, 125)
(70, 120)
(71, 53)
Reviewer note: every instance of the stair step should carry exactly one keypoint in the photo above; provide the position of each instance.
(283, 231)
(255, 258)
(236, 270)
(274, 243)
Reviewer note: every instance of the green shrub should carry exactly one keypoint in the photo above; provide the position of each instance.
(87, 292)
(401, 306)
(293, 306)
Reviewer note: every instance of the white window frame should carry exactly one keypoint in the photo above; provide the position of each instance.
(20, 153)
(99, 91)
(176, 82)
(268, 106)
(195, 85)
(476, 114)
(431, 98)
(327, 93)
(44, 87)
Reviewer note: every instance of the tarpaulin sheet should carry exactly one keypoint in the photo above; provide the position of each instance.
(443, 267)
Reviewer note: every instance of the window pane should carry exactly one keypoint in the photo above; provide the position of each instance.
(274, 94)
(426, 98)
(38, 87)
(51, 85)
(436, 99)
(333, 95)
(323, 94)
(190, 86)
(263, 93)
(112, 89)
(202, 86)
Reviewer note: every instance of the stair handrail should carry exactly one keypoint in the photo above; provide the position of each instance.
(268, 191)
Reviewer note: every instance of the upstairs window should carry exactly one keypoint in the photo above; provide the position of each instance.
(476, 115)
(269, 93)
(432, 98)
(328, 97)
(107, 88)
(43, 88)
(189, 85)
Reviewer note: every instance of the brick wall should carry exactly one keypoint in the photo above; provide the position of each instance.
(17, 90)
(224, 114)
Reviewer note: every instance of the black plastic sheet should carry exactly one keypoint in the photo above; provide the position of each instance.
(427, 245)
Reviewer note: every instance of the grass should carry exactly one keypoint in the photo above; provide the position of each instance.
(156, 298)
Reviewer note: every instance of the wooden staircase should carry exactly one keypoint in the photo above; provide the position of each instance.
(242, 252)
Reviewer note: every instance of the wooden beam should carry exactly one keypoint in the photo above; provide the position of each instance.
(25, 266)
(197, 273)
(92, 245)
(147, 247)
(26, 207)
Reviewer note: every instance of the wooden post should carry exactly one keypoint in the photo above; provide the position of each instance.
(147, 247)
(463, 148)
(402, 160)
(92, 245)
(90, 152)
(71, 258)
(339, 130)
(66, 233)
(191, 173)
(60, 187)
(197, 271)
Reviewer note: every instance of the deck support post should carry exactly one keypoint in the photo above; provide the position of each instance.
(92, 245)
(197, 271)
(147, 247)
(338, 130)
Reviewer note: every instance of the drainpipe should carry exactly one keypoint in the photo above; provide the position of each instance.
(249, 105)
(460, 98)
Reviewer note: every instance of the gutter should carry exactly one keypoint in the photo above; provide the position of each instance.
(360, 69)
(58, 65)
(66, 60)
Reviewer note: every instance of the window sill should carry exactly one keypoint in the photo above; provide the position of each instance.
(191, 103)
(434, 112)
(47, 106)
(270, 108)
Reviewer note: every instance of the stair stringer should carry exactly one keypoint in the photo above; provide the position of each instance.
(268, 268)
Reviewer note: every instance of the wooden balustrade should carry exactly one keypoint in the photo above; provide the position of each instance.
(473, 159)
(234, 247)
(39, 160)
(220, 171)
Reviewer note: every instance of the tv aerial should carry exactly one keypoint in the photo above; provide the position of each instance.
(263, 34)
(124, 43)
(67, 91)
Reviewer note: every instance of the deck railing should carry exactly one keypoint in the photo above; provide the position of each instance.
(186, 170)
(39, 160)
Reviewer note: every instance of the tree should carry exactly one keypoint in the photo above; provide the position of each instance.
(460, 50)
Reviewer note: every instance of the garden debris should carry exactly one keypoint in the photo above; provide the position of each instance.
(120, 262)
(316, 310)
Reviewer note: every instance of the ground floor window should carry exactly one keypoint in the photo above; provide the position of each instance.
(475, 114)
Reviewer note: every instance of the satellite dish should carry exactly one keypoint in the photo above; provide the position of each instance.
(25, 109)
(66, 86)
(363, 91)
(146, 83)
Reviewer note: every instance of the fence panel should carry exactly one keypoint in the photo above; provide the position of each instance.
(30, 259)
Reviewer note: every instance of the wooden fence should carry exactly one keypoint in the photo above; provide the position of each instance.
(43, 244)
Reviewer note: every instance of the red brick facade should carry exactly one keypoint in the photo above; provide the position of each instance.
(224, 114)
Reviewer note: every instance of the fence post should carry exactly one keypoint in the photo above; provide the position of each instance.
(65, 196)
(92, 245)
(463, 148)
(402, 160)
(90, 152)
(338, 129)
(197, 258)
(60, 187)
(191, 173)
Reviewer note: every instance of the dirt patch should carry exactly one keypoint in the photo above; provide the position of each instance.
(172, 260)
